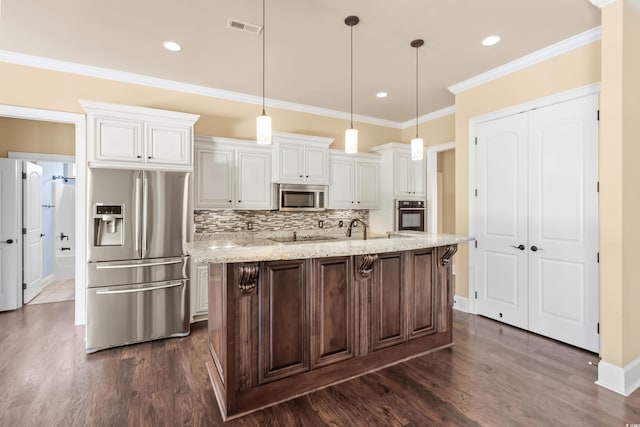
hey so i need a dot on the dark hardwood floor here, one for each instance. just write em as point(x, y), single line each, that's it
point(495, 375)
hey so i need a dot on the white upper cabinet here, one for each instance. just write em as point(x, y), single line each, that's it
point(232, 174)
point(354, 181)
point(136, 137)
point(409, 175)
point(401, 177)
point(300, 159)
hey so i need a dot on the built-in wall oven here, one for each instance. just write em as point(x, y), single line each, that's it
point(411, 215)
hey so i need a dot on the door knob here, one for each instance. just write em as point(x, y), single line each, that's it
point(521, 247)
point(535, 248)
point(9, 241)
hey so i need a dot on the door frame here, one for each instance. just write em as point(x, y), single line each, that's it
point(473, 124)
point(432, 183)
point(79, 121)
point(41, 157)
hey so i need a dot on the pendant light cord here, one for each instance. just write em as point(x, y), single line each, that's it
point(417, 91)
point(351, 76)
point(263, 61)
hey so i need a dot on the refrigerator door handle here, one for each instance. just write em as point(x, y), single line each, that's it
point(107, 266)
point(145, 212)
point(137, 215)
point(130, 291)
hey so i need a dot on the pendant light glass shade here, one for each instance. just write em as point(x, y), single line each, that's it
point(263, 122)
point(263, 126)
point(417, 144)
point(417, 149)
point(351, 141)
point(351, 134)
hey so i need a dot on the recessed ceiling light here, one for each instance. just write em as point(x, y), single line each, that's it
point(172, 46)
point(381, 94)
point(491, 40)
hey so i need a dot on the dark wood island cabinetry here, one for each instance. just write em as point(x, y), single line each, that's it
point(282, 328)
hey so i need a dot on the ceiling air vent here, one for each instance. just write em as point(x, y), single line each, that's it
point(244, 26)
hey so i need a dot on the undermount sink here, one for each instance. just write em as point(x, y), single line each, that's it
point(215, 244)
point(295, 239)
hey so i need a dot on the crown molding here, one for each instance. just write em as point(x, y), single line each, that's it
point(142, 80)
point(430, 116)
point(536, 57)
point(601, 3)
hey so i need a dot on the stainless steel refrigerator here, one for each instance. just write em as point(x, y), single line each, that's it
point(138, 269)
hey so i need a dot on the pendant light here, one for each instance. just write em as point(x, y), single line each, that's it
point(417, 144)
point(351, 134)
point(263, 122)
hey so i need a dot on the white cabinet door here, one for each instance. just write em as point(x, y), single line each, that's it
point(214, 172)
point(291, 163)
point(402, 174)
point(502, 220)
point(342, 187)
point(316, 165)
point(199, 292)
point(368, 188)
point(418, 178)
point(117, 140)
point(253, 185)
point(167, 144)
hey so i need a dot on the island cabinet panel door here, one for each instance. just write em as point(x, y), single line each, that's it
point(284, 320)
point(332, 313)
point(388, 313)
point(421, 293)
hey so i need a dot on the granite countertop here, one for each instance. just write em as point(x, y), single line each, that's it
point(243, 247)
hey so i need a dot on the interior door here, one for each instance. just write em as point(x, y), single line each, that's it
point(32, 233)
point(563, 222)
point(9, 234)
point(502, 220)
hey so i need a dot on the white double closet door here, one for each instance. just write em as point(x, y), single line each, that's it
point(537, 223)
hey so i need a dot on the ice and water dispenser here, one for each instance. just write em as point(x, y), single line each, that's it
point(108, 225)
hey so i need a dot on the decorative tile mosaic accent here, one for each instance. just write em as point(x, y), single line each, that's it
point(225, 221)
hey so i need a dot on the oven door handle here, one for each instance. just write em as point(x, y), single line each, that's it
point(131, 291)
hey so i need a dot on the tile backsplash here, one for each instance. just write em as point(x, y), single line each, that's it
point(225, 221)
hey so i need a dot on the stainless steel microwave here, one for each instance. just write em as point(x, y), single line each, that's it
point(300, 197)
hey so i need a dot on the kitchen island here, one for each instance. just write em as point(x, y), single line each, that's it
point(289, 318)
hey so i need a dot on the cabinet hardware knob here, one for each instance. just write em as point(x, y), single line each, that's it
point(358, 201)
point(352, 201)
point(149, 157)
point(300, 176)
point(139, 156)
point(521, 247)
point(9, 241)
point(239, 201)
point(41, 235)
point(534, 248)
point(229, 201)
point(307, 176)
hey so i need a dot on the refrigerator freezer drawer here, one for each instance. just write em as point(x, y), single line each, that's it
point(137, 271)
point(121, 315)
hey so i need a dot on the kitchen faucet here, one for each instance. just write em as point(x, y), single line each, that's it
point(352, 223)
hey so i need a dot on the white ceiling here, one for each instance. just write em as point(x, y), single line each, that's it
point(307, 43)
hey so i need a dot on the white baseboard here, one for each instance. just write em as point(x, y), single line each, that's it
point(622, 380)
point(461, 303)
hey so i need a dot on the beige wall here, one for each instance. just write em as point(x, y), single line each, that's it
point(434, 132)
point(38, 88)
point(32, 136)
point(573, 69)
point(619, 180)
point(447, 167)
